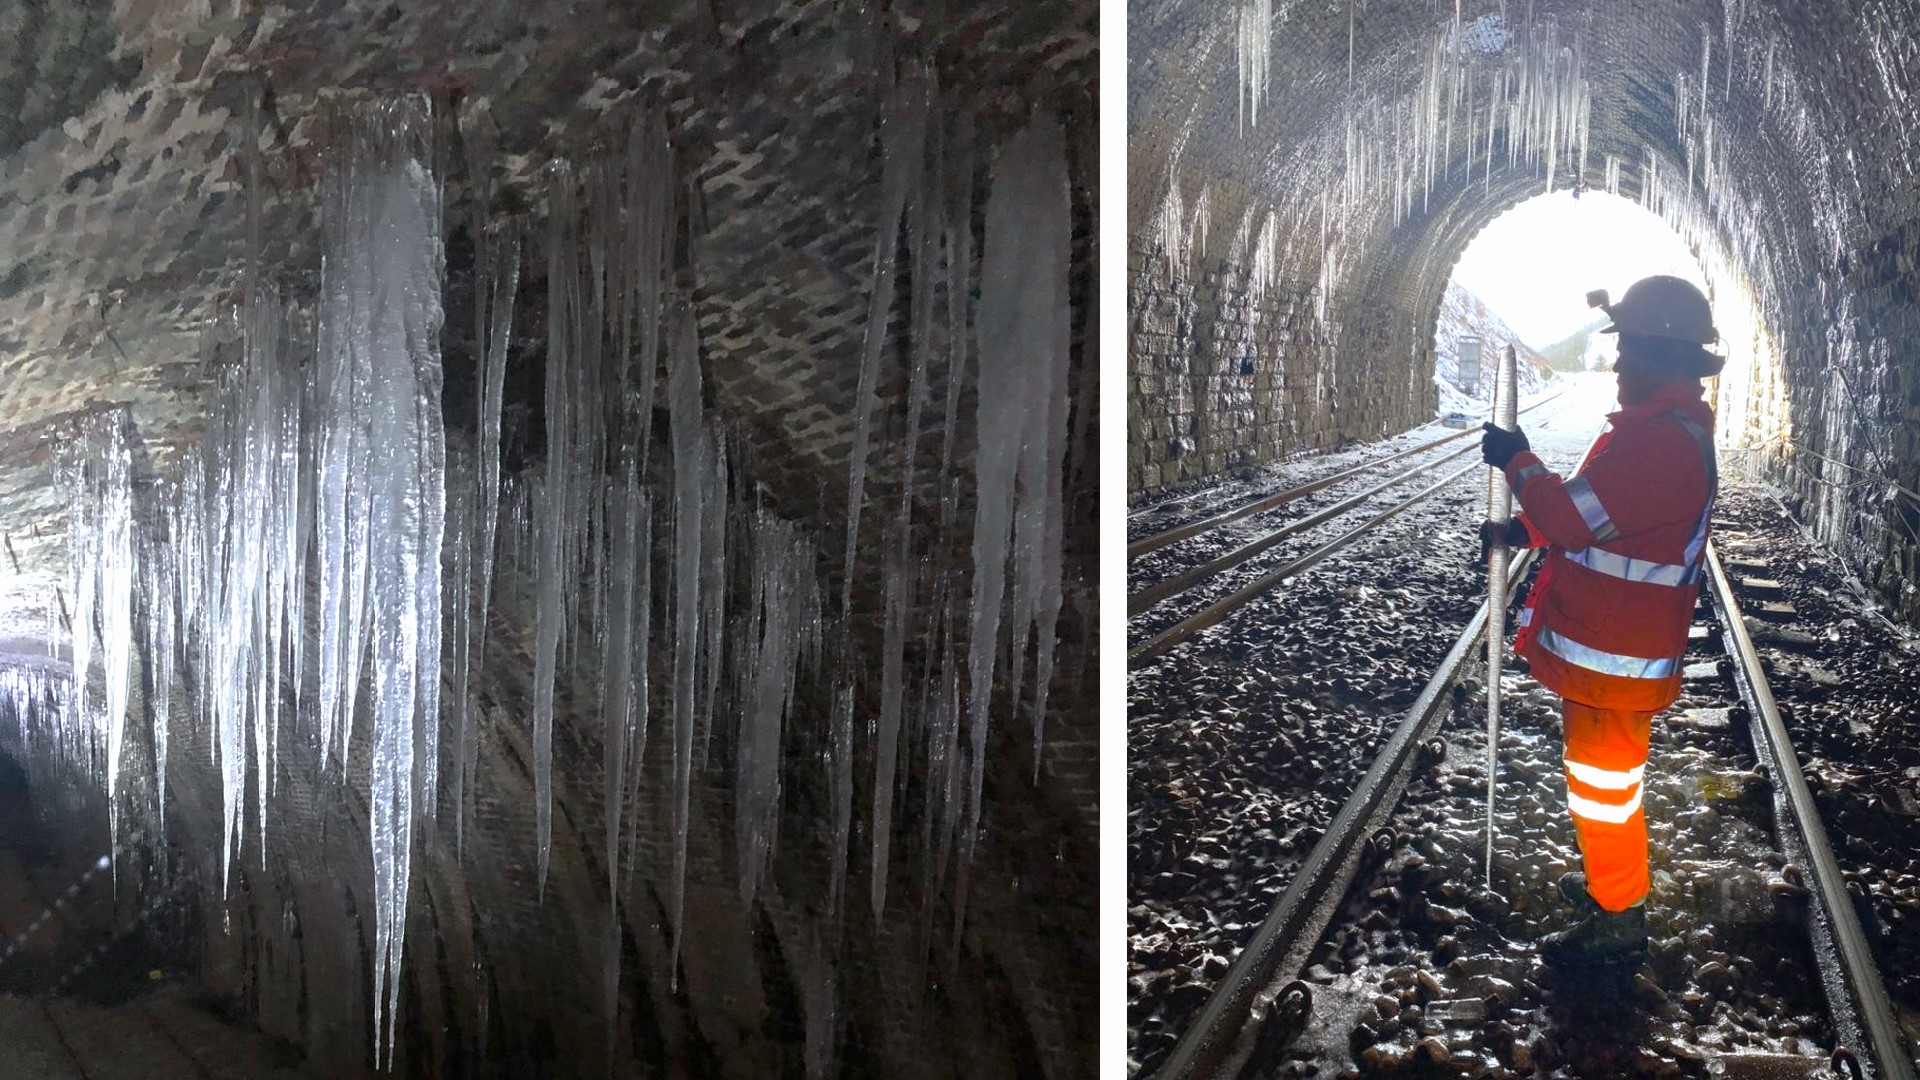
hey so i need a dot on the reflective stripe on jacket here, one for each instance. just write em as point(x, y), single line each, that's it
point(1606, 623)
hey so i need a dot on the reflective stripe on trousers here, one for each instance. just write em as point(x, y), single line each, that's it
point(1605, 757)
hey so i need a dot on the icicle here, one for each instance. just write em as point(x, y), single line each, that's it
point(1706, 67)
point(713, 584)
point(497, 289)
point(83, 568)
point(887, 738)
point(382, 320)
point(630, 525)
point(691, 448)
point(1772, 43)
point(103, 567)
point(462, 491)
point(1255, 26)
point(1349, 47)
point(959, 212)
point(901, 136)
point(253, 600)
point(117, 572)
point(341, 393)
point(555, 547)
point(638, 717)
point(1023, 337)
point(630, 510)
point(160, 635)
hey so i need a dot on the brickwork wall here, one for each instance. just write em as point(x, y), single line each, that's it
point(1223, 379)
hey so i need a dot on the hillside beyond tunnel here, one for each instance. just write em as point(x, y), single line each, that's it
point(1302, 177)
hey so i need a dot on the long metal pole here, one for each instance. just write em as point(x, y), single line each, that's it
point(1500, 512)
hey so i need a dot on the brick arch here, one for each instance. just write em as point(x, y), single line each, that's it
point(1798, 203)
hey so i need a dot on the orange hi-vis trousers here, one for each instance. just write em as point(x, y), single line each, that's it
point(1606, 755)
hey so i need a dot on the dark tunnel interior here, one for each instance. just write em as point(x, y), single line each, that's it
point(536, 539)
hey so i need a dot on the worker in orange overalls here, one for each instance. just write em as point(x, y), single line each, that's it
point(1607, 621)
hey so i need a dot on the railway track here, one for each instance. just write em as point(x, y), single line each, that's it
point(1243, 744)
point(1369, 962)
point(1158, 532)
point(1178, 593)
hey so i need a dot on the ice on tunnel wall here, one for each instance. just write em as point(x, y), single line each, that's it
point(102, 554)
point(311, 589)
point(1488, 95)
point(1023, 366)
point(1252, 45)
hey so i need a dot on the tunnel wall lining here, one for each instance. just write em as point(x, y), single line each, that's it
point(1787, 172)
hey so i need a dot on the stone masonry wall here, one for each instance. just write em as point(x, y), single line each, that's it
point(1222, 378)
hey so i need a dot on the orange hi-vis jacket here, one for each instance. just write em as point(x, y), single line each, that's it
point(1607, 621)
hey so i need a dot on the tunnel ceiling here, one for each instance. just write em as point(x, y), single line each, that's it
point(1336, 155)
point(122, 227)
point(1792, 78)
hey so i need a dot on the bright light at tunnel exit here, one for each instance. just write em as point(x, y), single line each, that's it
point(1534, 264)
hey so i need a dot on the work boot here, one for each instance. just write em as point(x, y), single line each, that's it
point(1573, 886)
point(1601, 937)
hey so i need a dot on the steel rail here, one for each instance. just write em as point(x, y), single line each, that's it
point(1156, 541)
point(1175, 584)
point(1280, 947)
point(1214, 613)
point(1855, 995)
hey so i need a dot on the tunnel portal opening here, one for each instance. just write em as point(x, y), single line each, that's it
point(1521, 282)
point(1287, 264)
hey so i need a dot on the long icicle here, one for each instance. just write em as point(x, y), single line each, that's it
point(555, 550)
point(691, 448)
point(1022, 338)
point(902, 132)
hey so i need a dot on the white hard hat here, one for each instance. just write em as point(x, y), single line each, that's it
point(1662, 307)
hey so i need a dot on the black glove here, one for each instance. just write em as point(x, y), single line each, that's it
point(1498, 446)
point(1513, 533)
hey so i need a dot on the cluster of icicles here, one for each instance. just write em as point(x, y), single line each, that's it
point(322, 568)
point(1487, 92)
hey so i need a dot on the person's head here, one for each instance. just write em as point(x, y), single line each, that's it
point(1665, 325)
point(1646, 363)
